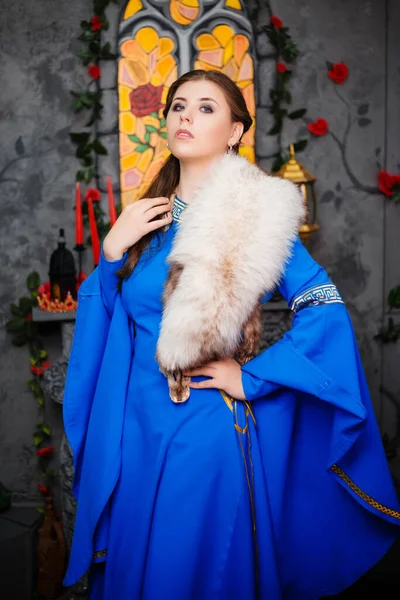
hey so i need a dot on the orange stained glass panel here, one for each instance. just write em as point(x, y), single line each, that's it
point(132, 8)
point(184, 12)
point(227, 51)
point(148, 67)
point(223, 33)
point(233, 4)
point(145, 72)
point(206, 41)
point(240, 47)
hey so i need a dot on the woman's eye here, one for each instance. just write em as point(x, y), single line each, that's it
point(178, 107)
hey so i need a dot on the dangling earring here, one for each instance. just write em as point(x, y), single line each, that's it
point(229, 151)
point(167, 144)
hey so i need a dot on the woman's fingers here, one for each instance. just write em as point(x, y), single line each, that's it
point(201, 371)
point(150, 203)
point(155, 211)
point(152, 225)
point(207, 383)
point(206, 371)
point(133, 224)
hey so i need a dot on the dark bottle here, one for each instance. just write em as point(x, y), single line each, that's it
point(62, 271)
point(51, 554)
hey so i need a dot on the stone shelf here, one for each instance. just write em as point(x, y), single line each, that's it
point(39, 315)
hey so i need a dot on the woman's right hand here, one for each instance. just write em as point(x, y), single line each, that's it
point(134, 222)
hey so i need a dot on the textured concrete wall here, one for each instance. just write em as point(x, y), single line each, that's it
point(38, 68)
point(359, 230)
point(359, 237)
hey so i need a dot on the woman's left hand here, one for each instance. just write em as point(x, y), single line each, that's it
point(226, 375)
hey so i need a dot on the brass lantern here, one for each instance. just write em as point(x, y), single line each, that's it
point(296, 173)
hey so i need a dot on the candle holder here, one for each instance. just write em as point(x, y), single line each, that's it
point(62, 271)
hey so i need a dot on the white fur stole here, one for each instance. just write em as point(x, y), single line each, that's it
point(233, 242)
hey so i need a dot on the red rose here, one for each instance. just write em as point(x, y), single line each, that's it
point(339, 72)
point(28, 317)
point(387, 183)
point(96, 23)
point(40, 370)
point(43, 489)
point(276, 22)
point(92, 194)
point(146, 99)
point(45, 451)
point(94, 71)
point(45, 289)
point(280, 67)
point(319, 127)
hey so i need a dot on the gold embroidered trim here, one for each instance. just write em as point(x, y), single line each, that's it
point(250, 482)
point(227, 399)
point(245, 431)
point(364, 496)
point(239, 429)
point(99, 554)
point(353, 486)
point(229, 402)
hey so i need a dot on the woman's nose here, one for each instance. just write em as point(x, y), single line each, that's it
point(185, 117)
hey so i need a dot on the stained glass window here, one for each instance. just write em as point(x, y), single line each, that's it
point(159, 41)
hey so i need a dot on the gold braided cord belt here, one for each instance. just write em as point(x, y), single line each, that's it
point(230, 402)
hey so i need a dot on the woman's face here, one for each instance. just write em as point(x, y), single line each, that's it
point(200, 108)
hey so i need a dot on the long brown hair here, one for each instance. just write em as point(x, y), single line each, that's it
point(167, 179)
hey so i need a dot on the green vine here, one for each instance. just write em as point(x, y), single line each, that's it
point(145, 144)
point(389, 185)
point(24, 331)
point(280, 95)
point(88, 144)
point(391, 332)
point(88, 147)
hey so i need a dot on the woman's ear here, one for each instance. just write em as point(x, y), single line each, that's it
point(236, 134)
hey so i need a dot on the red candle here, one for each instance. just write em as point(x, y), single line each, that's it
point(94, 233)
point(111, 204)
point(78, 215)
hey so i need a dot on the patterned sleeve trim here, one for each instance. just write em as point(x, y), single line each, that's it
point(326, 293)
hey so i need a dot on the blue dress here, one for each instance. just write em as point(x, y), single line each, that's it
point(180, 515)
point(214, 499)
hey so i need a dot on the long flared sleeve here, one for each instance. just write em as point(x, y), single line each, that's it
point(317, 305)
point(329, 483)
point(109, 280)
point(318, 356)
point(317, 364)
point(93, 410)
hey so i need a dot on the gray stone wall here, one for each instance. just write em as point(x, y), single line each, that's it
point(358, 240)
point(38, 68)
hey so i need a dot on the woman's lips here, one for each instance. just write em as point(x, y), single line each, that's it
point(183, 135)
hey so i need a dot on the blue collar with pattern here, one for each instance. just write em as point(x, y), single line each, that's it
point(178, 208)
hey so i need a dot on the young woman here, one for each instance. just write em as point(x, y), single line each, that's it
point(201, 471)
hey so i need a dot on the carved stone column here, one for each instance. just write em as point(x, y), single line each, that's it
point(53, 387)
